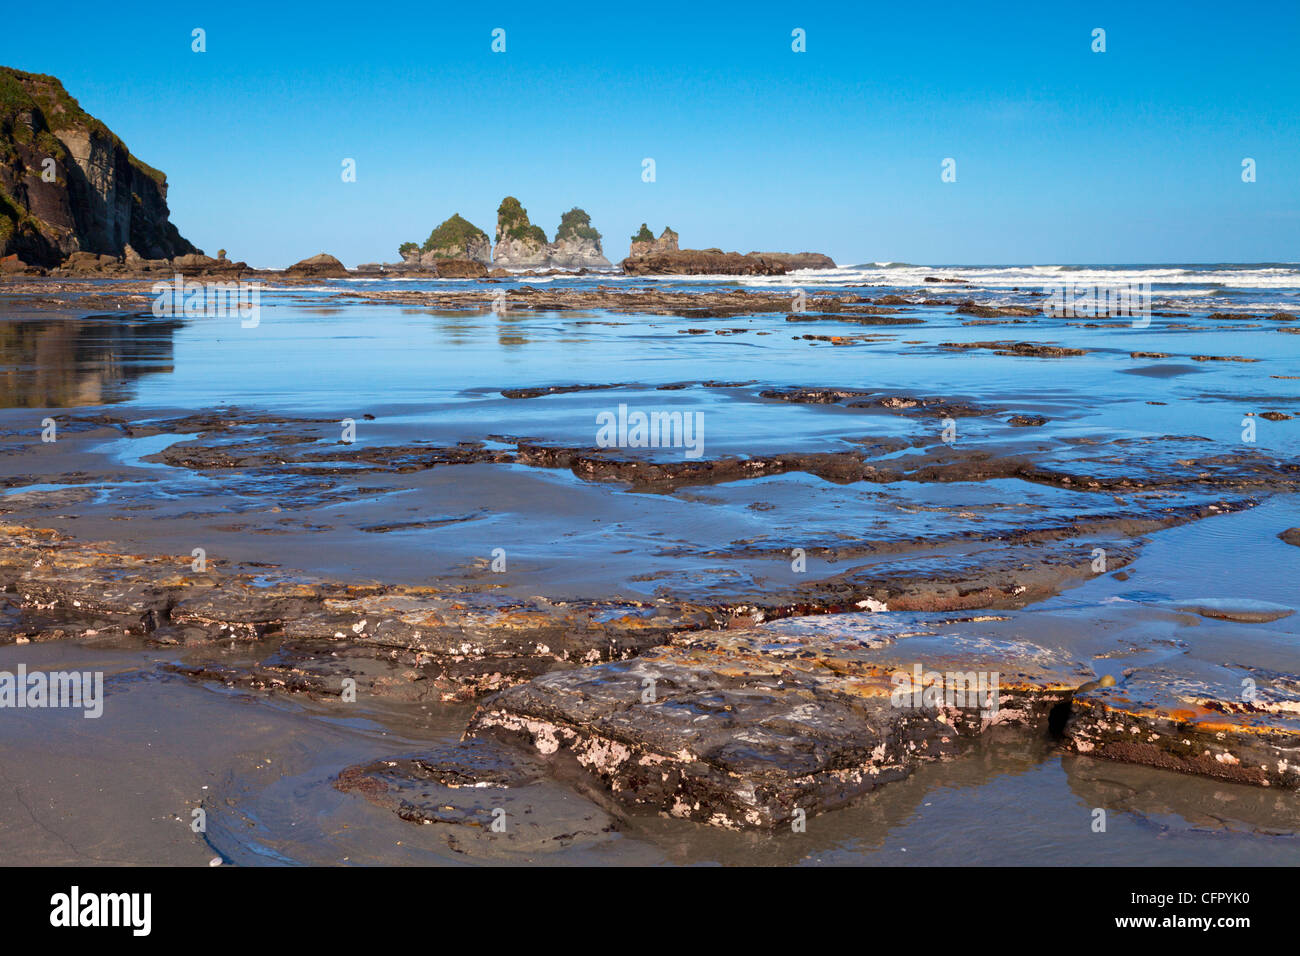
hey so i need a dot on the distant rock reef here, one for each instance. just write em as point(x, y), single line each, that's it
point(651, 256)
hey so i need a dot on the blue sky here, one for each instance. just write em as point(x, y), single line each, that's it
point(1063, 155)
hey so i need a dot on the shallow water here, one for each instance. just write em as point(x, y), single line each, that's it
point(435, 378)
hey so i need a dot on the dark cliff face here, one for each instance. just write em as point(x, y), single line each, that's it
point(95, 197)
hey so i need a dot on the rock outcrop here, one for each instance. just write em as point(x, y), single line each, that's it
point(460, 269)
point(12, 265)
point(651, 256)
point(190, 264)
point(320, 266)
point(644, 242)
point(750, 728)
point(519, 244)
point(577, 243)
point(702, 262)
point(799, 260)
point(457, 238)
point(68, 184)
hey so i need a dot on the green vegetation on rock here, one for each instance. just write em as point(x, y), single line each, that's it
point(126, 198)
point(12, 216)
point(21, 92)
point(407, 248)
point(576, 224)
point(47, 93)
point(8, 217)
point(13, 97)
point(456, 233)
point(644, 234)
point(512, 222)
point(157, 175)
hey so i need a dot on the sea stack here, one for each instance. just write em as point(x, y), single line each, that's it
point(519, 244)
point(644, 242)
point(456, 238)
point(577, 243)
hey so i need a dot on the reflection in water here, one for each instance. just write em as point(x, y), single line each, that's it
point(461, 328)
point(456, 327)
point(64, 362)
point(1196, 803)
point(510, 335)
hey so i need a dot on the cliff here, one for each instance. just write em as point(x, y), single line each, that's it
point(95, 197)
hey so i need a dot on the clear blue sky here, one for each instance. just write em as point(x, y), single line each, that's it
point(1063, 155)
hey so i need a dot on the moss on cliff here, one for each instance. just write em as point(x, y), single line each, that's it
point(103, 212)
point(455, 233)
point(13, 219)
point(21, 91)
point(9, 216)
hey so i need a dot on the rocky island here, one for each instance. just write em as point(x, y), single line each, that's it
point(459, 249)
point(577, 243)
point(519, 243)
point(456, 238)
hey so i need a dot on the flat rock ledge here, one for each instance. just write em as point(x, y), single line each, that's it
point(1228, 722)
point(749, 728)
point(415, 643)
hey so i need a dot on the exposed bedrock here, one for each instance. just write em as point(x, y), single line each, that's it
point(1230, 721)
point(703, 262)
point(845, 307)
point(745, 728)
point(756, 727)
point(456, 643)
point(489, 799)
point(644, 242)
point(799, 260)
